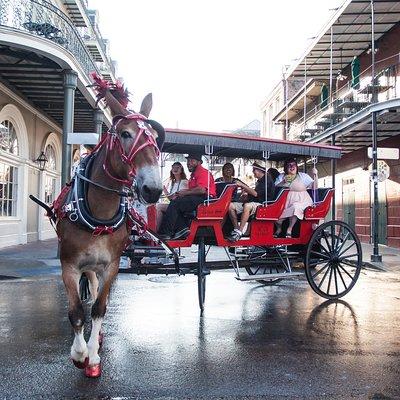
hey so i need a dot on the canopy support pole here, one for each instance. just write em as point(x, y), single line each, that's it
point(330, 68)
point(266, 155)
point(333, 172)
point(209, 150)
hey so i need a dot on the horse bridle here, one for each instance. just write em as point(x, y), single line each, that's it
point(113, 140)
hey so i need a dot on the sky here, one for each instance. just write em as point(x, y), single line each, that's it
point(209, 63)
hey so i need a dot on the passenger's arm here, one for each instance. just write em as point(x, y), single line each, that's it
point(246, 188)
point(195, 191)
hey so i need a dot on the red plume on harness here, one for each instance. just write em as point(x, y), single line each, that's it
point(101, 86)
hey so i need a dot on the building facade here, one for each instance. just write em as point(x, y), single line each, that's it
point(47, 52)
point(349, 94)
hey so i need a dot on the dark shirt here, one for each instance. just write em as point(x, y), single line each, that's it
point(220, 184)
point(260, 189)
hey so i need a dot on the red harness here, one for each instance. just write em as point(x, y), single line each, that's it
point(112, 140)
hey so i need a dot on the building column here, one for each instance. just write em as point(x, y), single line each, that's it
point(98, 122)
point(70, 82)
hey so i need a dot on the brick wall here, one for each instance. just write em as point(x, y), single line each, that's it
point(357, 163)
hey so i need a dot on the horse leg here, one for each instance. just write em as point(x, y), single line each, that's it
point(93, 284)
point(76, 314)
point(94, 289)
point(93, 369)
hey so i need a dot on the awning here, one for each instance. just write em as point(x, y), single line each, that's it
point(231, 145)
point(356, 131)
point(296, 104)
point(351, 28)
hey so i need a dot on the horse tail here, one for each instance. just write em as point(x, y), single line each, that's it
point(84, 287)
point(50, 212)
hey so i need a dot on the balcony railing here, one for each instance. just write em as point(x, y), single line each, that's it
point(347, 100)
point(40, 18)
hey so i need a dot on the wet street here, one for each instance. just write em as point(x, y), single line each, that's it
point(253, 341)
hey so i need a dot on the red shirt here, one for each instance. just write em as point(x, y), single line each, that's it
point(199, 178)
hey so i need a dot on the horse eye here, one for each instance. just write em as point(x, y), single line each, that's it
point(126, 135)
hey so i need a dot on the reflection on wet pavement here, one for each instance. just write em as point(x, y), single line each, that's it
point(253, 340)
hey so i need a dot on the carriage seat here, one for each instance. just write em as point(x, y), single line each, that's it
point(320, 194)
point(323, 199)
point(272, 209)
point(214, 208)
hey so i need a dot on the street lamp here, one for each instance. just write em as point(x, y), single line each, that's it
point(42, 160)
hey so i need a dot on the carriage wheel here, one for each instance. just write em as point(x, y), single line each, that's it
point(201, 275)
point(263, 269)
point(333, 260)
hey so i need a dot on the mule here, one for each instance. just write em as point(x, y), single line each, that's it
point(131, 152)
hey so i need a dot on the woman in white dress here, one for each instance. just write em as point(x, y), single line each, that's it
point(298, 198)
point(177, 181)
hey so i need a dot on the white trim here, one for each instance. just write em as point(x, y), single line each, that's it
point(53, 139)
point(12, 113)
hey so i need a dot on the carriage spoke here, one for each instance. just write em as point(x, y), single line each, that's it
point(321, 270)
point(348, 263)
point(343, 242)
point(341, 277)
point(347, 249)
point(336, 282)
point(323, 278)
point(316, 262)
point(345, 271)
point(324, 256)
point(324, 249)
point(329, 281)
point(327, 241)
point(348, 256)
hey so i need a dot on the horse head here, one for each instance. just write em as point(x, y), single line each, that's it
point(133, 144)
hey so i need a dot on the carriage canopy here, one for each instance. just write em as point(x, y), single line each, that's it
point(244, 146)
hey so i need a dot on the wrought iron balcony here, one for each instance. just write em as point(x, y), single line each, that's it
point(43, 19)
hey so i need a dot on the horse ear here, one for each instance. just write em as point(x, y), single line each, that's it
point(146, 106)
point(114, 105)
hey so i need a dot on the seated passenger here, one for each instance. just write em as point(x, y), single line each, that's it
point(177, 181)
point(255, 197)
point(273, 173)
point(228, 173)
point(298, 199)
point(173, 224)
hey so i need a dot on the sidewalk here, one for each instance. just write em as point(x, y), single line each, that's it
point(31, 259)
point(40, 259)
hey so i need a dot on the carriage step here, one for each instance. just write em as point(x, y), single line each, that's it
point(269, 276)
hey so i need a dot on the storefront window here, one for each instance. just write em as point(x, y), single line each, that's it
point(8, 190)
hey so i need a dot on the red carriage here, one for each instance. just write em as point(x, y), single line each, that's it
point(330, 251)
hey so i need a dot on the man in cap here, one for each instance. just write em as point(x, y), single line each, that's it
point(255, 197)
point(201, 181)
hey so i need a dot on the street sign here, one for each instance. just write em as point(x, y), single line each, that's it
point(385, 153)
point(83, 138)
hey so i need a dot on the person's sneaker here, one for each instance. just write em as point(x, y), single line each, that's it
point(235, 235)
point(182, 233)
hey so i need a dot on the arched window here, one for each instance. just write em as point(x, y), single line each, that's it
point(50, 180)
point(8, 138)
point(51, 157)
point(8, 172)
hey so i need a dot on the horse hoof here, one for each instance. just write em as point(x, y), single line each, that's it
point(93, 371)
point(101, 339)
point(80, 364)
